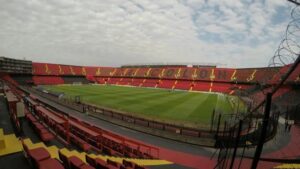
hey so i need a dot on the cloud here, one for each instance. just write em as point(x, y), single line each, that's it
point(114, 32)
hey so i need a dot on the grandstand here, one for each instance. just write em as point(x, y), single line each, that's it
point(46, 116)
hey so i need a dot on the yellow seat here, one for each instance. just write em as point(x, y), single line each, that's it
point(9, 144)
point(2, 140)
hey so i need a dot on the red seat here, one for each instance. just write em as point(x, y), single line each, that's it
point(112, 164)
point(47, 136)
point(90, 160)
point(96, 162)
point(38, 154)
point(38, 125)
point(85, 166)
point(128, 163)
point(42, 130)
point(64, 159)
point(50, 164)
point(47, 80)
point(75, 162)
point(101, 164)
point(139, 167)
point(30, 117)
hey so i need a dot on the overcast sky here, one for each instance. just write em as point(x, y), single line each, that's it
point(235, 33)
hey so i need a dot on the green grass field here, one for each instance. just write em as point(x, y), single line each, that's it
point(179, 107)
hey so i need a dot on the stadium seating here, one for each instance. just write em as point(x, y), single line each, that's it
point(183, 85)
point(96, 162)
point(186, 73)
point(223, 75)
point(40, 158)
point(105, 71)
point(39, 69)
point(85, 136)
point(293, 78)
point(154, 73)
point(130, 72)
point(113, 80)
point(47, 80)
point(75, 79)
point(203, 74)
point(72, 162)
point(264, 75)
point(91, 79)
point(137, 82)
point(101, 80)
point(142, 72)
point(10, 80)
point(22, 79)
point(201, 86)
point(91, 71)
point(52, 69)
point(247, 75)
point(221, 87)
point(65, 70)
point(125, 81)
point(255, 75)
point(167, 84)
point(150, 82)
point(169, 73)
point(281, 91)
point(117, 72)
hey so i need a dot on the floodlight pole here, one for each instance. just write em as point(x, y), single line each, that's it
point(263, 131)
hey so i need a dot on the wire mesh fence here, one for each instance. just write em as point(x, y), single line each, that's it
point(238, 136)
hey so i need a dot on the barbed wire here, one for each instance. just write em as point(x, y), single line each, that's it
point(289, 48)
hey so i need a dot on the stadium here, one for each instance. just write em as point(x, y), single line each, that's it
point(62, 115)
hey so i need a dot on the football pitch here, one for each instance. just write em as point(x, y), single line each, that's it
point(176, 107)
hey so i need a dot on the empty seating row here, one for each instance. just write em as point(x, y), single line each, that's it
point(22, 79)
point(248, 75)
point(113, 80)
point(183, 85)
point(47, 80)
point(72, 162)
point(9, 79)
point(221, 87)
point(42, 131)
point(109, 164)
point(14, 103)
point(173, 84)
point(75, 79)
point(167, 84)
point(150, 82)
point(59, 124)
point(137, 82)
point(86, 136)
point(201, 86)
point(40, 158)
point(125, 81)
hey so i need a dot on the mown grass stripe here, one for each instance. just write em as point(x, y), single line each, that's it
point(162, 104)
